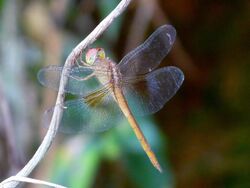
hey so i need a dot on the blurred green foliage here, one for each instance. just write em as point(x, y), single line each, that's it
point(110, 147)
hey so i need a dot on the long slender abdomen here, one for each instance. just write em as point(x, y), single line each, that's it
point(133, 123)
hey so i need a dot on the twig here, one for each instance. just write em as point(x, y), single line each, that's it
point(30, 180)
point(75, 54)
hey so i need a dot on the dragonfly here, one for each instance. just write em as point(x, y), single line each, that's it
point(108, 91)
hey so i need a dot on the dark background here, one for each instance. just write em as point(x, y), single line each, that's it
point(201, 136)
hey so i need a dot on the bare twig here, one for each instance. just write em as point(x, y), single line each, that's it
point(30, 180)
point(75, 54)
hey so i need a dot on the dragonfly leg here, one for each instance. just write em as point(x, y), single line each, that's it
point(85, 64)
point(85, 78)
point(62, 106)
point(81, 64)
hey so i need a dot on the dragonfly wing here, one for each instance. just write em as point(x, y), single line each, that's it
point(148, 55)
point(50, 77)
point(95, 113)
point(149, 94)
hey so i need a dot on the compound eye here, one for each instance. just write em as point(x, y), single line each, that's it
point(100, 53)
point(91, 56)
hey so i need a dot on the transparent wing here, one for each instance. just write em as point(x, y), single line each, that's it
point(50, 77)
point(148, 94)
point(148, 55)
point(95, 113)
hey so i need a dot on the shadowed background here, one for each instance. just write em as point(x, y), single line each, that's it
point(201, 134)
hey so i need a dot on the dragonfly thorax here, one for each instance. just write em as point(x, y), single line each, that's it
point(113, 74)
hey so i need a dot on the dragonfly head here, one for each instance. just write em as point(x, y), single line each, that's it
point(94, 54)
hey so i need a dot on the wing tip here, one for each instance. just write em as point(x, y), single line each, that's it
point(177, 75)
point(171, 32)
